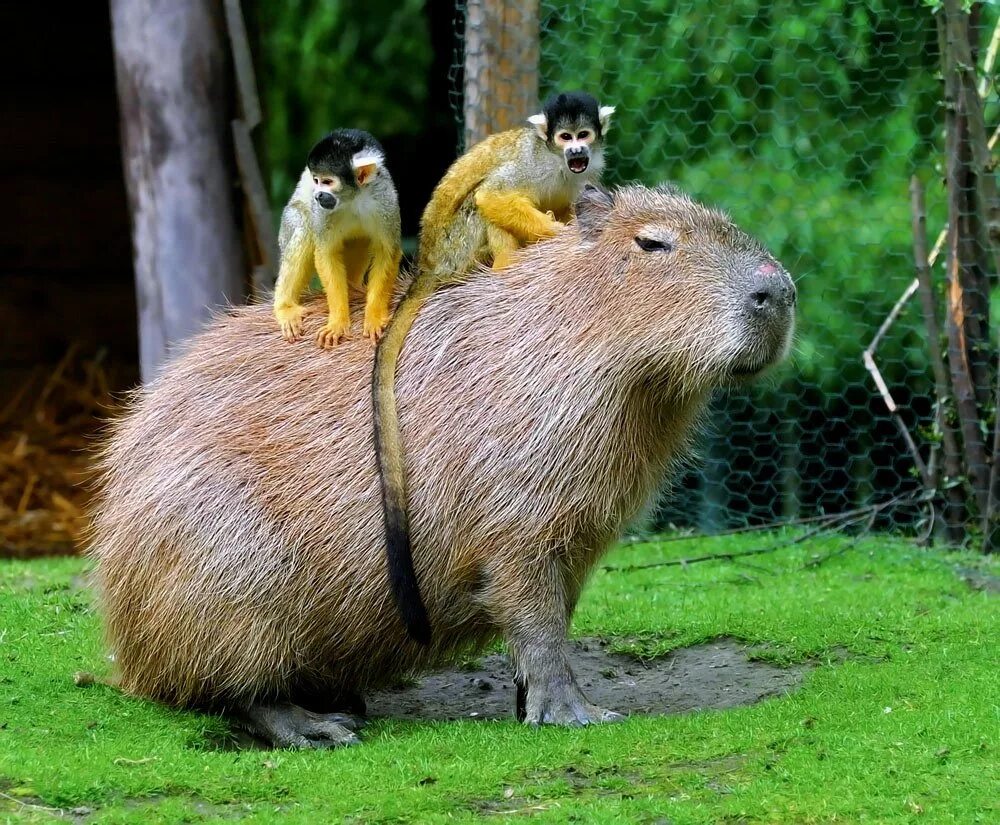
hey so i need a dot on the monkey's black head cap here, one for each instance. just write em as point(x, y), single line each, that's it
point(571, 107)
point(334, 153)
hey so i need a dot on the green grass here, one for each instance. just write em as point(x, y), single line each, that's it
point(898, 721)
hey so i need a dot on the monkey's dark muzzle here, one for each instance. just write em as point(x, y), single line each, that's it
point(326, 200)
point(577, 160)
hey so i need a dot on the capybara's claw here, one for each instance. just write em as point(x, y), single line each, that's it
point(566, 705)
point(289, 726)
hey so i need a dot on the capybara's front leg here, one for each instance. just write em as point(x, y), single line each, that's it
point(533, 607)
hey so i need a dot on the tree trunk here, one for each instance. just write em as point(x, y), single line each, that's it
point(501, 66)
point(954, 511)
point(967, 319)
point(176, 107)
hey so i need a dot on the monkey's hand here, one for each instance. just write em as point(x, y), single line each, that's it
point(375, 323)
point(290, 320)
point(333, 332)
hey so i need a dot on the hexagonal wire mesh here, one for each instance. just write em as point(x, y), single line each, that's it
point(805, 121)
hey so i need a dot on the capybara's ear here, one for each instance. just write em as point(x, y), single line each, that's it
point(592, 209)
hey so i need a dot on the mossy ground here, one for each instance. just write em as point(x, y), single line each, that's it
point(898, 721)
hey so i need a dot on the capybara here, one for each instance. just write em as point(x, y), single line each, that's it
point(238, 532)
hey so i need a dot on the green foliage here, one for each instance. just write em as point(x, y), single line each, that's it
point(804, 120)
point(332, 63)
point(897, 716)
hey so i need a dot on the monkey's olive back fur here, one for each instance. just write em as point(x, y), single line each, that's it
point(239, 535)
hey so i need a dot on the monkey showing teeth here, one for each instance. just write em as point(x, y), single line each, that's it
point(342, 221)
point(512, 189)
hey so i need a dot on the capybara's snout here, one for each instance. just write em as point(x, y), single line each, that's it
point(768, 314)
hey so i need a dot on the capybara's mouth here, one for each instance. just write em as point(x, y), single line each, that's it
point(577, 165)
point(745, 372)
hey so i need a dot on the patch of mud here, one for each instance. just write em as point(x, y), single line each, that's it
point(979, 580)
point(713, 675)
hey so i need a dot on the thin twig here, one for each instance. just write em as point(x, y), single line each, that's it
point(839, 521)
point(868, 357)
point(32, 805)
point(757, 551)
point(753, 528)
point(848, 545)
point(991, 56)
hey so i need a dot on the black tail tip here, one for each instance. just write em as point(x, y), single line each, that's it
point(419, 627)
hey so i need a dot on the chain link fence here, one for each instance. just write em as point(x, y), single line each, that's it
point(806, 122)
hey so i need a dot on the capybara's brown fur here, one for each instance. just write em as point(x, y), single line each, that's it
point(239, 534)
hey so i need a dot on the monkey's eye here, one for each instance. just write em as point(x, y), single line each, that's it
point(652, 244)
point(565, 136)
point(316, 181)
point(583, 135)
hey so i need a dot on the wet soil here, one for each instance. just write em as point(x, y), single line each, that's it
point(713, 675)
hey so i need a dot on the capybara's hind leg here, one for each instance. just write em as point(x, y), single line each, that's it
point(289, 726)
point(530, 602)
point(327, 700)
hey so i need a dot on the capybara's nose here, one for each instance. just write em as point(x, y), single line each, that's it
point(770, 290)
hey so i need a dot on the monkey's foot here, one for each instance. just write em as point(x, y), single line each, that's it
point(332, 333)
point(289, 726)
point(290, 321)
point(565, 704)
point(554, 229)
point(375, 324)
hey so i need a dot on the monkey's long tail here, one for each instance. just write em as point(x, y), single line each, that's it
point(392, 464)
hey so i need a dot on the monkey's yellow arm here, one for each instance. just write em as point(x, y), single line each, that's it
point(381, 281)
point(333, 275)
point(293, 277)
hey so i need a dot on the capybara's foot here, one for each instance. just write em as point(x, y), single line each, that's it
point(332, 333)
point(375, 324)
point(564, 704)
point(290, 320)
point(289, 726)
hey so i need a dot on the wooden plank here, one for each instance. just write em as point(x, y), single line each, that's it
point(265, 270)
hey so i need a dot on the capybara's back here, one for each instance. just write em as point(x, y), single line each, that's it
point(238, 533)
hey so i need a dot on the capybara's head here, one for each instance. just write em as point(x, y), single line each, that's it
point(704, 300)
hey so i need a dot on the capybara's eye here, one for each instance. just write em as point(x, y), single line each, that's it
point(652, 244)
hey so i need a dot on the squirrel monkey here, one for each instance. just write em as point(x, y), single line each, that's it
point(513, 189)
point(342, 220)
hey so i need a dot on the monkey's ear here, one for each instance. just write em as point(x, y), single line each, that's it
point(604, 115)
point(541, 124)
point(365, 167)
point(593, 207)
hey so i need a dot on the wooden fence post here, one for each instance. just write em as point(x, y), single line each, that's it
point(501, 66)
point(175, 104)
